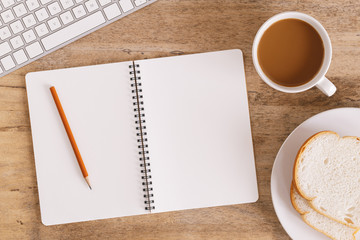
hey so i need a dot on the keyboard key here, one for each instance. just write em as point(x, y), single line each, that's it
point(67, 3)
point(7, 3)
point(73, 30)
point(79, 1)
point(45, 1)
point(29, 20)
point(91, 5)
point(34, 50)
point(7, 16)
point(41, 30)
point(79, 11)
point(4, 48)
point(17, 27)
point(54, 23)
point(20, 57)
point(20, 10)
point(41, 14)
point(29, 36)
point(112, 11)
point(54, 8)
point(4, 33)
point(126, 5)
point(104, 2)
point(16, 42)
point(66, 17)
point(7, 63)
point(32, 4)
point(139, 2)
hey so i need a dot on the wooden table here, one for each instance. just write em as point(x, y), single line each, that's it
point(166, 28)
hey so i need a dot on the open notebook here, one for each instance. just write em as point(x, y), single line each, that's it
point(193, 149)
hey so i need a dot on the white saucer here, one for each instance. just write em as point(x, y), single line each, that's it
point(344, 121)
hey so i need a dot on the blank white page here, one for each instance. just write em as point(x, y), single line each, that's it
point(198, 126)
point(97, 102)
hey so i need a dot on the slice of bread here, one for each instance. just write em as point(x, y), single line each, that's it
point(327, 173)
point(319, 222)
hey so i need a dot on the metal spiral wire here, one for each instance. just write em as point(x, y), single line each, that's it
point(141, 136)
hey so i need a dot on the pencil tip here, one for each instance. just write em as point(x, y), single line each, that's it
point(88, 182)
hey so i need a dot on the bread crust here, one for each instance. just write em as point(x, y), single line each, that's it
point(295, 181)
point(293, 202)
point(304, 213)
point(354, 234)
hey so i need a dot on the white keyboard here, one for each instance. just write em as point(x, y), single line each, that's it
point(31, 29)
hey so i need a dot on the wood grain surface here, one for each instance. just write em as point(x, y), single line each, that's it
point(167, 28)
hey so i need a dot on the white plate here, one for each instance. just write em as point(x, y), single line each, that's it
point(344, 121)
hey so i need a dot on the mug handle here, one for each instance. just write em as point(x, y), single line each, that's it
point(327, 87)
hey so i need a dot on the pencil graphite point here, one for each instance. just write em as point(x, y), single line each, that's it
point(88, 181)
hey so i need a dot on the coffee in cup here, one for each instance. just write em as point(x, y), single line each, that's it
point(292, 53)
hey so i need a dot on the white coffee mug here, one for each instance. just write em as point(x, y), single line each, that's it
point(320, 81)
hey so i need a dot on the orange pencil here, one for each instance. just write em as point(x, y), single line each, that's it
point(70, 135)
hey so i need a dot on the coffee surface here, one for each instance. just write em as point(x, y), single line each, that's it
point(290, 52)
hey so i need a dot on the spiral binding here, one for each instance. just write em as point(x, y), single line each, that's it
point(141, 135)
